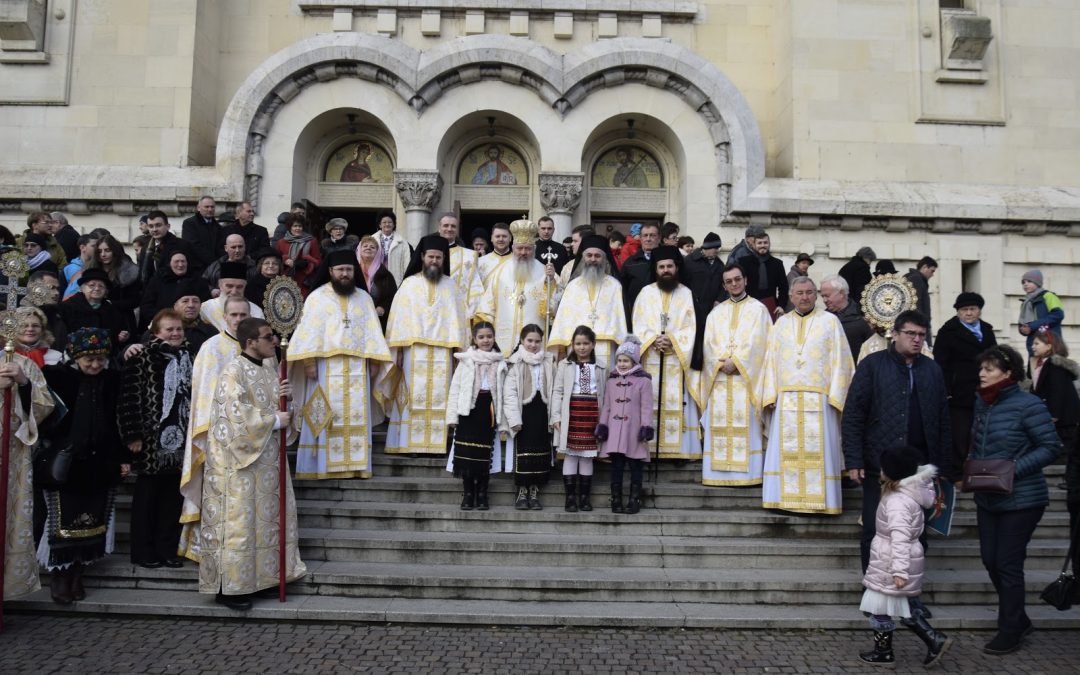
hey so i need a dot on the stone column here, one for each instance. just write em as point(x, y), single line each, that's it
point(560, 195)
point(419, 192)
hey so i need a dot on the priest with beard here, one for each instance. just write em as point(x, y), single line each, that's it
point(426, 325)
point(520, 291)
point(665, 322)
point(337, 346)
point(592, 298)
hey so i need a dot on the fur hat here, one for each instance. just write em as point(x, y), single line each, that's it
point(630, 347)
point(898, 462)
point(969, 299)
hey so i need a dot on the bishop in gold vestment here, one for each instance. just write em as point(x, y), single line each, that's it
point(30, 405)
point(593, 298)
point(335, 343)
point(664, 310)
point(425, 327)
point(735, 336)
point(240, 500)
point(216, 353)
point(808, 369)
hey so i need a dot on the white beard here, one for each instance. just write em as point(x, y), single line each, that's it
point(521, 270)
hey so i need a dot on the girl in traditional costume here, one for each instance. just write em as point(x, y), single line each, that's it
point(576, 398)
point(625, 421)
point(526, 395)
point(79, 525)
point(474, 411)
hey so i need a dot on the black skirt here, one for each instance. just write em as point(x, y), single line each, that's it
point(532, 445)
point(78, 523)
point(474, 439)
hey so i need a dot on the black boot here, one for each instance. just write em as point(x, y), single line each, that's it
point(534, 498)
point(77, 590)
point(570, 483)
point(633, 503)
point(468, 494)
point(522, 501)
point(584, 486)
point(616, 498)
point(60, 586)
point(882, 653)
point(936, 642)
point(481, 492)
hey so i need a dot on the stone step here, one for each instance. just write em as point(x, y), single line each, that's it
point(299, 607)
point(586, 584)
point(554, 520)
point(487, 548)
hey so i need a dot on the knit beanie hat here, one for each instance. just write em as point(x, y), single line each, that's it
point(630, 347)
point(899, 462)
point(1034, 276)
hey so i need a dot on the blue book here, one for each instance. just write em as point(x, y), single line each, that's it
point(940, 516)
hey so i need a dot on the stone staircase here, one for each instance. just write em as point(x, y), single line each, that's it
point(396, 548)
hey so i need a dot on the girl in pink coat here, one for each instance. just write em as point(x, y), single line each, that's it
point(894, 575)
point(625, 425)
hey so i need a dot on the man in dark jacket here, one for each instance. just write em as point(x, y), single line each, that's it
point(856, 273)
point(766, 280)
point(66, 235)
point(256, 237)
point(203, 232)
point(897, 398)
point(919, 276)
point(163, 243)
point(834, 293)
point(959, 342)
point(746, 246)
point(636, 272)
point(703, 274)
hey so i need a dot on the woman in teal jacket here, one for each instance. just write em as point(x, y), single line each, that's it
point(1010, 424)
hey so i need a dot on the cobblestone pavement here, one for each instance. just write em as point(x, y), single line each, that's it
point(66, 644)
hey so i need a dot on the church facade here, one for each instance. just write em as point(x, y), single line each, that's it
point(946, 128)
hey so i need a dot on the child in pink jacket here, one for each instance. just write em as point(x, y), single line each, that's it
point(625, 425)
point(894, 575)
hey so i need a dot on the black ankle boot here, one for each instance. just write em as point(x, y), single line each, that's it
point(616, 498)
point(570, 483)
point(468, 494)
point(584, 486)
point(77, 590)
point(534, 498)
point(481, 492)
point(522, 501)
point(882, 653)
point(633, 503)
point(936, 642)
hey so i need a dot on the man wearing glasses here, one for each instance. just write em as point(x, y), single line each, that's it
point(897, 398)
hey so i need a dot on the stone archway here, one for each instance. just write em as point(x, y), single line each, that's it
point(561, 81)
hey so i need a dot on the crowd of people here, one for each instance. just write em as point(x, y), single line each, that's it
point(533, 358)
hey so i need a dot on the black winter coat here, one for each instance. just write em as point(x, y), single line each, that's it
point(1057, 388)
point(1016, 426)
point(856, 272)
point(876, 412)
point(955, 350)
point(922, 290)
point(77, 313)
point(636, 274)
point(143, 386)
point(99, 452)
point(205, 239)
point(155, 257)
point(776, 287)
point(706, 283)
point(856, 329)
point(256, 237)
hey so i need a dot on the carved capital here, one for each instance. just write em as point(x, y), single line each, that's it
point(419, 190)
point(561, 192)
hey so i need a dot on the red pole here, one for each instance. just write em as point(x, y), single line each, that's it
point(5, 449)
point(283, 468)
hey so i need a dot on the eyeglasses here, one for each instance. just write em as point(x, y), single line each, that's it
point(913, 334)
point(271, 337)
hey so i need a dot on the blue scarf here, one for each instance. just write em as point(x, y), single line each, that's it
point(975, 328)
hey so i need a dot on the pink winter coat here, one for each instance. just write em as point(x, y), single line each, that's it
point(895, 550)
point(628, 406)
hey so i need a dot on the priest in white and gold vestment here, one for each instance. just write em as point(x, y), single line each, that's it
point(808, 369)
point(488, 265)
point(664, 321)
point(426, 325)
point(216, 353)
point(593, 298)
point(240, 500)
point(521, 290)
point(30, 404)
point(735, 336)
point(463, 265)
point(335, 344)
